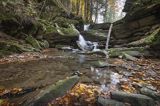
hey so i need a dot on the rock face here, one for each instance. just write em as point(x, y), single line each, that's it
point(139, 25)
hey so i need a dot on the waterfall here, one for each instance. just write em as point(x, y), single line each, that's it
point(86, 45)
point(86, 27)
point(82, 42)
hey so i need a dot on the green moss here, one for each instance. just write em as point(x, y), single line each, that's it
point(154, 37)
point(95, 32)
point(33, 42)
point(69, 31)
point(44, 44)
point(9, 47)
point(47, 26)
point(63, 22)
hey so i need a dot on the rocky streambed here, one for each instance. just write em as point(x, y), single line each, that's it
point(121, 81)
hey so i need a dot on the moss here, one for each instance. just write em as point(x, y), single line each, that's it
point(47, 26)
point(113, 52)
point(9, 47)
point(95, 32)
point(63, 22)
point(32, 41)
point(69, 31)
point(154, 37)
point(44, 44)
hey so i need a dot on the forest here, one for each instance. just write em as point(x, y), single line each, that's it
point(79, 52)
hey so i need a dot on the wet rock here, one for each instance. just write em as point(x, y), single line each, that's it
point(133, 51)
point(150, 93)
point(133, 99)
point(99, 64)
point(54, 91)
point(98, 52)
point(109, 102)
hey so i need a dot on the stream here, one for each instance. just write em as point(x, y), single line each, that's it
point(37, 69)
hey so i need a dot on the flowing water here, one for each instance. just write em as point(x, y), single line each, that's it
point(86, 27)
point(86, 45)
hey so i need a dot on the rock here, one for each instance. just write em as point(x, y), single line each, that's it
point(137, 25)
point(129, 57)
point(133, 99)
point(150, 93)
point(98, 52)
point(70, 31)
point(31, 40)
point(54, 91)
point(44, 44)
point(95, 35)
point(7, 47)
point(109, 102)
point(56, 38)
point(132, 51)
point(104, 26)
point(98, 64)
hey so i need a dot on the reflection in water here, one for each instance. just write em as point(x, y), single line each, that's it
point(81, 59)
point(107, 79)
point(115, 78)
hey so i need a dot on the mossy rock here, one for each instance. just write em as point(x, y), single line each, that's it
point(63, 22)
point(44, 44)
point(53, 91)
point(155, 37)
point(135, 51)
point(32, 41)
point(9, 47)
point(69, 31)
point(95, 32)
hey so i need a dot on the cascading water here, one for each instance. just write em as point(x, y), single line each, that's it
point(86, 45)
point(81, 42)
point(86, 27)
